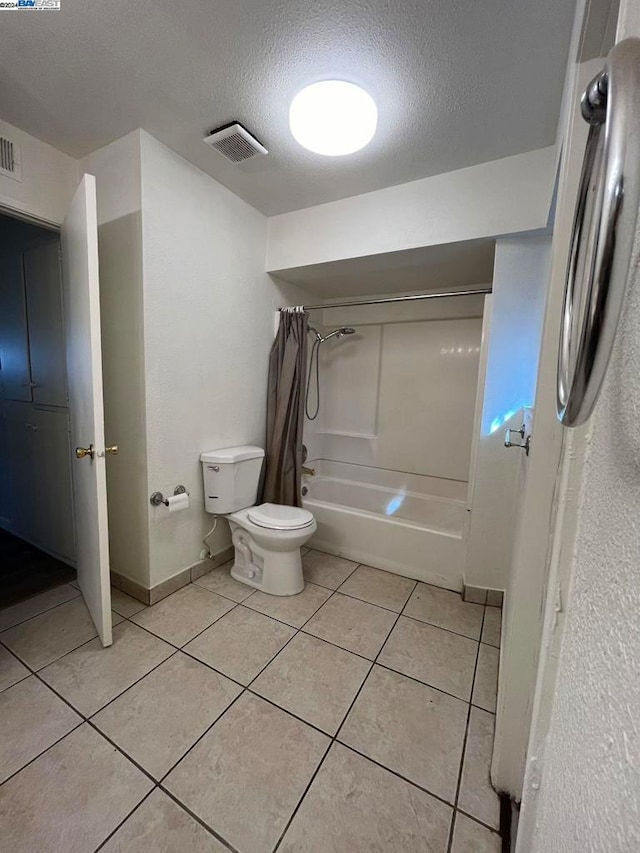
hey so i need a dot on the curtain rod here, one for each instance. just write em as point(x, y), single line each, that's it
point(387, 300)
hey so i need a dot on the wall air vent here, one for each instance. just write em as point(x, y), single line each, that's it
point(235, 142)
point(10, 161)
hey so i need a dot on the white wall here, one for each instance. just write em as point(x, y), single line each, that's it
point(585, 741)
point(49, 178)
point(517, 312)
point(527, 582)
point(400, 394)
point(117, 171)
point(591, 769)
point(208, 328)
point(502, 197)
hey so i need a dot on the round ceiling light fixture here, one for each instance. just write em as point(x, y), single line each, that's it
point(333, 118)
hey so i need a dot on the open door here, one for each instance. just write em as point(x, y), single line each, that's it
point(517, 680)
point(84, 369)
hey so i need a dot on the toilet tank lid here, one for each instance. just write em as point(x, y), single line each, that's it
point(232, 454)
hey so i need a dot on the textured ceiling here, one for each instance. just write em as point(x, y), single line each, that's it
point(457, 82)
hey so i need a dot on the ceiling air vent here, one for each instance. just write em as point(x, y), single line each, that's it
point(235, 142)
point(10, 164)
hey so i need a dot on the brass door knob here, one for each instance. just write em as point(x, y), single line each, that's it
point(113, 450)
point(82, 452)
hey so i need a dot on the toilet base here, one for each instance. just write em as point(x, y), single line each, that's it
point(279, 574)
point(274, 572)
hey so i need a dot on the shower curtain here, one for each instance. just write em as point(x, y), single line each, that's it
point(285, 410)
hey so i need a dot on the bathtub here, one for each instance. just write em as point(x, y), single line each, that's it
point(389, 520)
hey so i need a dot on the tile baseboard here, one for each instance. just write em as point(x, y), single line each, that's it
point(203, 566)
point(172, 584)
point(130, 587)
point(481, 595)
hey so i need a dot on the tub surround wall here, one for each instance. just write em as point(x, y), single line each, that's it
point(399, 395)
point(395, 426)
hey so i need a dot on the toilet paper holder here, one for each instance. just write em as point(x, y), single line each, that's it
point(158, 498)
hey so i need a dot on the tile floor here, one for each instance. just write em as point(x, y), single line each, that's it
point(356, 716)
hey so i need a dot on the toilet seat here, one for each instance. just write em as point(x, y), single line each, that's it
point(279, 517)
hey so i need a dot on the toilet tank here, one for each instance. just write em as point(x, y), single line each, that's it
point(231, 478)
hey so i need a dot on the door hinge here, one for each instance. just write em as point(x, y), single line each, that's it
point(558, 606)
point(60, 253)
point(535, 774)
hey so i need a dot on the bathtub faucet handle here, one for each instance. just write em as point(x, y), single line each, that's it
point(310, 472)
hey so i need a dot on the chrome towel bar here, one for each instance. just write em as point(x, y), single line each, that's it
point(603, 232)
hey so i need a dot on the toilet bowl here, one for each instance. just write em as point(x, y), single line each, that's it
point(267, 541)
point(267, 538)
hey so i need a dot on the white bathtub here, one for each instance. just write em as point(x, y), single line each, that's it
point(390, 521)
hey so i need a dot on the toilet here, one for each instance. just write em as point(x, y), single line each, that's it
point(267, 538)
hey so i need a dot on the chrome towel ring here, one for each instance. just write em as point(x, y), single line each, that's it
point(603, 232)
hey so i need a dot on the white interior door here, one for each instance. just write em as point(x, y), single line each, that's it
point(517, 682)
point(84, 375)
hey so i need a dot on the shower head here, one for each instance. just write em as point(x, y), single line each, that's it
point(337, 333)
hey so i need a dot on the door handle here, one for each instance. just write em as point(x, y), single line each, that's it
point(113, 450)
point(82, 452)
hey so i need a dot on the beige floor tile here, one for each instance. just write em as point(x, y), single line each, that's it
point(485, 688)
point(246, 775)
point(71, 797)
point(159, 825)
point(292, 609)
point(219, 580)
point(472, 837)
point(50, 635)
point(410, 728)
point(159, 718)
point(445, 609)
point(125, 604)
point(477, 797)
point(354, 805)
point(355, 625)
point(437, 657)
point(17, 613)
point(91, 676)
point(182, 615)
point(492, 628)
point(326, 569)
point(33, 718)
point(11, 670)
point(378, 587)
point(241, 643)
point(314, 680)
